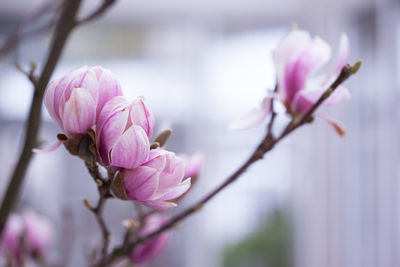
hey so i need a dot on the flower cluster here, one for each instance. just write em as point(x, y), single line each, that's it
point(90, 99)
point(88, 102)
point(26, 236)
point(297, 58)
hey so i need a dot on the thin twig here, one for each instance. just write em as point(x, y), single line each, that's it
point(104, 188)
point(93, 169)
point(98, 211)
point(98, 12)
point(266, 145)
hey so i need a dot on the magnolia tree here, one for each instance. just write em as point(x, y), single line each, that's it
point(106, 130)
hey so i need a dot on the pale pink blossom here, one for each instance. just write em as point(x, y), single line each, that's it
point(26, 235)
point(123, 129)
point(75, 100)
point(98, 85)
point(39, 232)
point(158, 181)
point(254, 116)
point(155, 246)
point(297, 59)
point(10, 246)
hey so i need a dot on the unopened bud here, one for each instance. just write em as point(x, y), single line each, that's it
point(356, 67)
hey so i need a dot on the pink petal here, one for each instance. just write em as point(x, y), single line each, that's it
point(157, 163)
point(109, 87)
point(344, 49)
point(10, 239)
point(79, 112)
point(141, 183)
point(60, 88)
point(72, 80)
point(50, 104)
point(306, 98)
point(159, 204)
point(142, 116)
point(161, 159)
point(131, 149)
point(152, 248)
point(39, 231)
point(299, 68)
point(172, 179)
point(254, 117)
point(47, 149)
point(112, 129)
point(176, 191)
point(113, 105)
point(290, 46)
point(194, 164)
point(90, 83)
point(168, 156)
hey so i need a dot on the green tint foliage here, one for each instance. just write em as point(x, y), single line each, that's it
point(270, 245)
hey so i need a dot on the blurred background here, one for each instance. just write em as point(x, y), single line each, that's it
point(316, 200)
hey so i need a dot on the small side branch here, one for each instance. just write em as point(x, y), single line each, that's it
point(104, 188)
point(98, 12)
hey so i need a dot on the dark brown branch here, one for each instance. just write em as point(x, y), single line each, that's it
point(63, 29)
point(98, 211)
point(98, 12)
point(267, 144)
point(66, 22)
point(273, 115)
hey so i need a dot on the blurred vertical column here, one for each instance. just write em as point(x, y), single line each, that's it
point(387, 132)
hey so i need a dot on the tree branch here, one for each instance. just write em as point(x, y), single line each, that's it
point(267, 144)
point(65, 25)
point(63, 29)
point(98, 12)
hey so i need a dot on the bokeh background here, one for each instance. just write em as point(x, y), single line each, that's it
point(316, 200)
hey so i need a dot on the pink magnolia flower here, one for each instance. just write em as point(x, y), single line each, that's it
point(39, 232)
point(155, 246)
point(26, 235)
point(75, 100)
point(10, 241)
point(123, 130)
point(297, 59)
point(157, 181)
